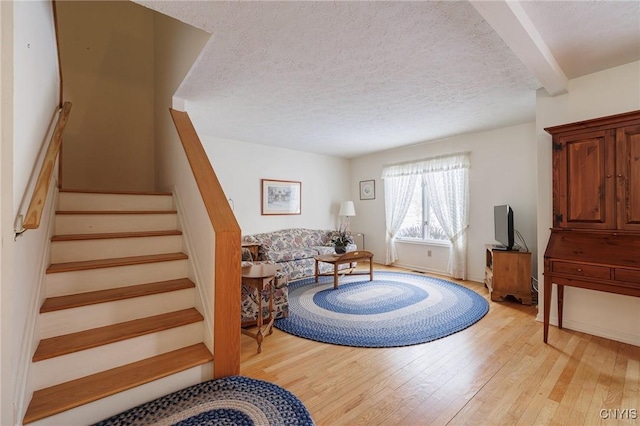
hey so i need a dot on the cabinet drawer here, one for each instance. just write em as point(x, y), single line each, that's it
point(582, 270)
point(627, 275)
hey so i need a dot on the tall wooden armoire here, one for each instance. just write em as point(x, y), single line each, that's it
point(595, 239)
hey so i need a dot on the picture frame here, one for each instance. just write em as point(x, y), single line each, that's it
point(368, 189)
point(281, 197)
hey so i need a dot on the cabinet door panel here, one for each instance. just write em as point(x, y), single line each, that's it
point(628, 152)
point(585, 165)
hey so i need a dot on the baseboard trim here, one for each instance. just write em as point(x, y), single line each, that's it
point(592, 329)
point(421, 269)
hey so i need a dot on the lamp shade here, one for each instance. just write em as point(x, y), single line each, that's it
point(347, 209)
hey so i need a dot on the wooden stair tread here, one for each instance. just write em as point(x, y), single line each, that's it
point(91, 191)
point(74, 342)
point(110, 235)
point(65, 396)
point(96, 212)
point(121, 293)
point(109, 263)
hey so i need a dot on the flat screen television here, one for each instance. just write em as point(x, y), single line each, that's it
point(503, 227)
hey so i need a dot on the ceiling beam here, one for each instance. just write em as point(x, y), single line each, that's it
point(513, 25)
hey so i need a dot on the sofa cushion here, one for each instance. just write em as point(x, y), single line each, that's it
point(287, 255)
point(325, 249)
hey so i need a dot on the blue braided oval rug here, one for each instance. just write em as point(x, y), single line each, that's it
point(395, 309)
point(233, 400)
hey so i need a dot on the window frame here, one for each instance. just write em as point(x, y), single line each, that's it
point(426, 206)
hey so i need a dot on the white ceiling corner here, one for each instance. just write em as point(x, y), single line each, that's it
point(350, 78)
point(513, 25)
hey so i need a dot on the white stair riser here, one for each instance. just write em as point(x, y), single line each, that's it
point(64, 283)
point(103, 223)
point(68, 321)
point(53, 371)
point(72, 251)
point(84, 201)
point(112, 405)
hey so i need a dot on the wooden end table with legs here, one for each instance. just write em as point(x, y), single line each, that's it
point(261, 277)
point(340, 259)
point(254, 249)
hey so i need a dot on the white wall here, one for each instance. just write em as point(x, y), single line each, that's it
point(36, 87)
point(604, 93)
point(503, 170)
point(6, 214)
point(176, 47)
point(36, 92)
point(240, 167)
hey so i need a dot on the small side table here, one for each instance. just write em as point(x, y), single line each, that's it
point(254, 249)
point(261, 277)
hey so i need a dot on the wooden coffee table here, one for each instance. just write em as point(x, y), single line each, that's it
point(340, 259)
point(261, 277)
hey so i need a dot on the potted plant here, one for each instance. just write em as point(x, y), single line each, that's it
point(341, 239)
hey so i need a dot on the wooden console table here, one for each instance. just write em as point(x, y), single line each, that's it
point(593, 260)
point(261, 276)
point(340, 259)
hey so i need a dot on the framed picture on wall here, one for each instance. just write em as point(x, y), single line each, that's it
point(281, 197)
point(367, 189)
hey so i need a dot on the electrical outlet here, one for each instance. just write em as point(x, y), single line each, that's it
point(428, 253)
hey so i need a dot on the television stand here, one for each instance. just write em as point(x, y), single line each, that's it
point(505, 248)
point(508, 273)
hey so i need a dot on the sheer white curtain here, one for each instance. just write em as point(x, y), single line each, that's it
point(397, 198)
point(447, 181)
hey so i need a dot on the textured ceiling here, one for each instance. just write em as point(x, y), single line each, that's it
point(349, 78)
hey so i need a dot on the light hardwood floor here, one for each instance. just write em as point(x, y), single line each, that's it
point(497, 372)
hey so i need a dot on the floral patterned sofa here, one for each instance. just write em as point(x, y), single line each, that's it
point(294, 251)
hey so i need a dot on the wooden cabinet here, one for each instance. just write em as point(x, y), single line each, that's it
point(595, 239)
point(508, 273)
point(584, 165)
point(596, 176)
point(628, 169)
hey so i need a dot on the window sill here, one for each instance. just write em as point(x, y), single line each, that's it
point(432, 243)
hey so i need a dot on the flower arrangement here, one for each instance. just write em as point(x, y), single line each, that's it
point(341, 237)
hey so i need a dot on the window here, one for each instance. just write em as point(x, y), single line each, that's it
point(446, 185)
point(421, 223)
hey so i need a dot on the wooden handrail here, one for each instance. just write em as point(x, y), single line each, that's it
point(39, 197)
point(226, 316)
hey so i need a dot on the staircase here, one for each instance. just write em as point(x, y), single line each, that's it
point(119, 312)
